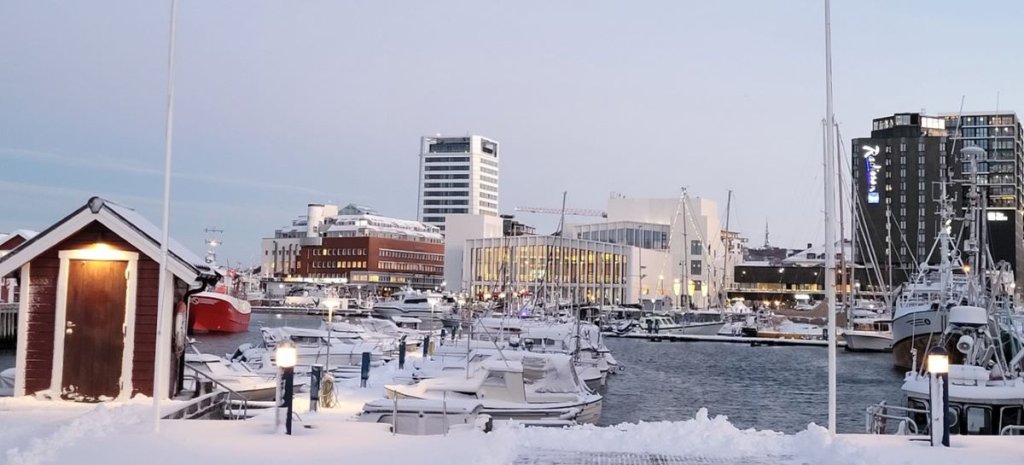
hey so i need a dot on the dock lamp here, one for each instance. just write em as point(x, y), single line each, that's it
point(286, 357)
point(938, 388)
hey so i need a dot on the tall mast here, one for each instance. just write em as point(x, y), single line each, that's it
point(728, 248)
point(830, 245)
point(686, 256)
point(844, 280)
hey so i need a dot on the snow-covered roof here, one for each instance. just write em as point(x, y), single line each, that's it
point(123, 221)
point(25, 234)
point(815, 255)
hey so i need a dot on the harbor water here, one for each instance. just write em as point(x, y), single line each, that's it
point(768, 387)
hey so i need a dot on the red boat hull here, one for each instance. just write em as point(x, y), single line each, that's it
point(211, 312)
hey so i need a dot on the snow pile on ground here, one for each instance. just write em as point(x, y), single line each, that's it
point(702, 436)
point(100, 421)
point(36, 432)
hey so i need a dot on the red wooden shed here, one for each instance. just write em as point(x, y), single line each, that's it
point(87, 317)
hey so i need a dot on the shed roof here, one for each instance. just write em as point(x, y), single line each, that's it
point(123, 221)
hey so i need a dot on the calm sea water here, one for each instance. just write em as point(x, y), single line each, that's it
point(778, 388)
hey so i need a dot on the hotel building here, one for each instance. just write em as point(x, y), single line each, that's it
point(457, 175)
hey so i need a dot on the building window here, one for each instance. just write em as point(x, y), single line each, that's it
point(696, 267)
point(696, 248)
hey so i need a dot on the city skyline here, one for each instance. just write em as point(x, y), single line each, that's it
point(283, 105)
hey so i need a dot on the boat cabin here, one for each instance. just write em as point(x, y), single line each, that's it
point(87, 319)
point(979, 403)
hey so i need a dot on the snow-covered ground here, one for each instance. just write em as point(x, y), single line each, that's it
point(38, 432)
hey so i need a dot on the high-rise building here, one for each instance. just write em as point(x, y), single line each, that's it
point(897, 176)
point(1002, 176)
point(458, 175)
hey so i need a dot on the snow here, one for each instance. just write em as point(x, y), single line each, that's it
point(43, 432)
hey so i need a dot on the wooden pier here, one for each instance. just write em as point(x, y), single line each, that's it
point(753, 341)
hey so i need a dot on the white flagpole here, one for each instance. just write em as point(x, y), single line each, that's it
point(162, 351)
point(830, 245)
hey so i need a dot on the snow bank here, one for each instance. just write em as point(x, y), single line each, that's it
point(120, 433)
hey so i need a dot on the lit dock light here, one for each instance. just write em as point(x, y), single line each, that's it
point(286, 355)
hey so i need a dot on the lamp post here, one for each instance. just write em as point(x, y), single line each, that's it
point(330, 332)
point(938, 388)
point(286, 356)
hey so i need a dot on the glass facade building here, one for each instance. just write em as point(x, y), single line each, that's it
point(644, 235)
point(571, 269)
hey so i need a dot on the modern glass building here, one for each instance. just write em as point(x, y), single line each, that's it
point(570, 269)
point(643, 235)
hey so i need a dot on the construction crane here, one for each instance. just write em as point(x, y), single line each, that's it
point(559, 211)
point(562, 211)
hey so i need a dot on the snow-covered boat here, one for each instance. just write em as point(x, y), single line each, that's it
point(313, 347)
point(236, 376)
point(429, 307)
point(986, 388)
point(7, 382)
point(529, 387)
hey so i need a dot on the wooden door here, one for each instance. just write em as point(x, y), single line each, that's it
point(93, 334)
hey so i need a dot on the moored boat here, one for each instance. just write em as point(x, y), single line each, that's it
point(217, 312)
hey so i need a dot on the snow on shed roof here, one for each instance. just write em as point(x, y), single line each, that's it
point(122, 221)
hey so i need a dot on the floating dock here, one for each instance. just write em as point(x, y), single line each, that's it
point(754, 341)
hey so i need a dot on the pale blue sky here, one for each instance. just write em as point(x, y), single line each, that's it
point(284, 103)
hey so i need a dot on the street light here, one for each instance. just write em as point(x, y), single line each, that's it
point(286, 357)
point(938, 388)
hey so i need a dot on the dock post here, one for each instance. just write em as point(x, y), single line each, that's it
point(364, 371)
point(443, 334)
point(315, 376)
point(401, 353)
point(426, 346)
point(289, 395)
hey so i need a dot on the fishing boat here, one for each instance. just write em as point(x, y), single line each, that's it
point(986, 387)
point(225, 308)
point(217, 312)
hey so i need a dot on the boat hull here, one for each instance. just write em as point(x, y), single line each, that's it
point(703, 329)
point(218, 313)
point(862, 341)
point(915, 330)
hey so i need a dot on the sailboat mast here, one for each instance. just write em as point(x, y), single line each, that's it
point(686, 257)
point(728, 248)
point(830, 254)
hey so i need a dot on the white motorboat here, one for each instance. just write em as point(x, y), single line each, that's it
point(429, 307)
point(702, 322)
point(869, 334)
point(531, 387)
point(236, 376)
point(312, 349)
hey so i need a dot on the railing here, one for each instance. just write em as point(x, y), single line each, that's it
point(8, 322)
point(1011, 429)
point(233, 398)
point(875, 418)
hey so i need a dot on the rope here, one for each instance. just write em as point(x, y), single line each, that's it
point(328, 397)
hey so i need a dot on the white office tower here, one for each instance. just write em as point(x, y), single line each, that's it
point(458, 175)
